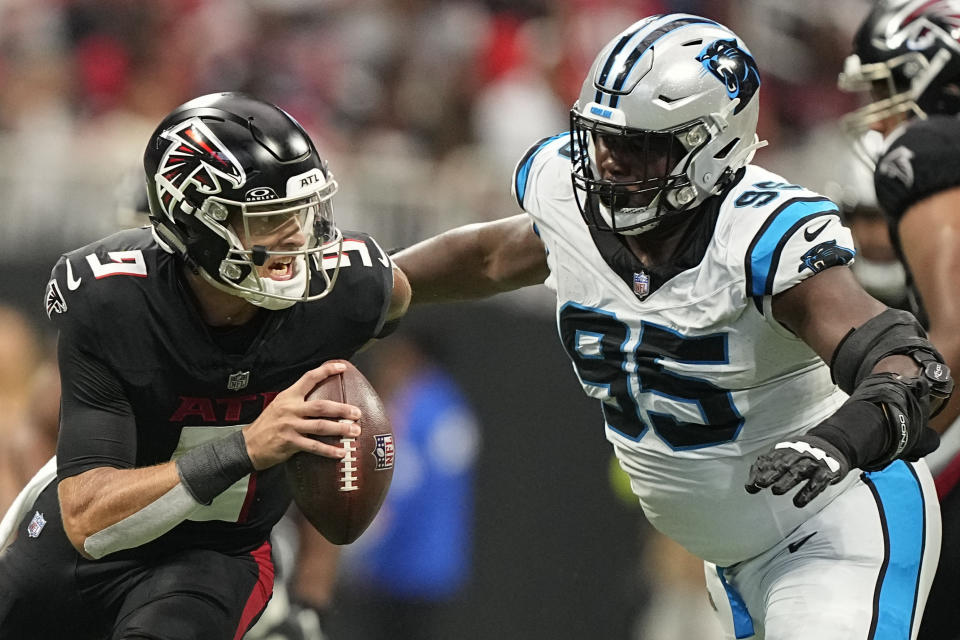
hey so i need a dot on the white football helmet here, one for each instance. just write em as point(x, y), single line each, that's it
point(676, 93)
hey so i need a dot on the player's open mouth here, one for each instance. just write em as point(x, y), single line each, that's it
point(281, 268)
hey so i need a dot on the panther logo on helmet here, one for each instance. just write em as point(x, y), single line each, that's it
point(734, 67)
point(195, 158)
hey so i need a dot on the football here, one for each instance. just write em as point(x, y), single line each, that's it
point(341, 497)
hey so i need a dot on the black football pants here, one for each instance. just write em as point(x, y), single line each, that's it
point(48, 590)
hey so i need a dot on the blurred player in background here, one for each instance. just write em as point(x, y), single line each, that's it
point(706, 302)
point(906, 62)
point(185, 351)
point(403, 577)
point(877, 267)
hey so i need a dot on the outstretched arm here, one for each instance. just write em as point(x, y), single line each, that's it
point(475, 261)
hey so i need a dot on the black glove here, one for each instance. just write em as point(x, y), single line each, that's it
point(807, 457)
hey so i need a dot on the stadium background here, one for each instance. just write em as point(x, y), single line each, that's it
point(422, 108)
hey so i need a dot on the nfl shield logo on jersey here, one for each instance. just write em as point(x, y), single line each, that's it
point(384, 451)
point(36, 525)
point(641, 284)
point(238, 380)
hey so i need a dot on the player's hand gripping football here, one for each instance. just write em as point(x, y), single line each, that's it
point(284, 426)
point(806, 458)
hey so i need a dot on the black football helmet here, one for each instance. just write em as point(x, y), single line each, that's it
point(906, 57)
point(226, 170)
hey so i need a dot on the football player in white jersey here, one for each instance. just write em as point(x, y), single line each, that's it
point(708, 305)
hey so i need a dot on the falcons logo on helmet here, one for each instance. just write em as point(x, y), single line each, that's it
point(918, 23)
point(197, 159)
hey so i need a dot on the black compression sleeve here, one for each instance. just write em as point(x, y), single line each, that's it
point(885, 418)
point(858, 429)
point(97, 426)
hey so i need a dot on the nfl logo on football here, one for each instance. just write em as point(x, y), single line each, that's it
point(238, 380)
point(384, 451)
point(641, 284)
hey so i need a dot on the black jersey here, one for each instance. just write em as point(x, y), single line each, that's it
point(144, 379)
point(920, 161)
point(924, 159)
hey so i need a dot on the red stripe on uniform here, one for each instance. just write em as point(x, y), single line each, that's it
point(248, 500)
point(262, 591)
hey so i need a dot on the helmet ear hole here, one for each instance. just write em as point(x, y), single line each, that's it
point(725, 151)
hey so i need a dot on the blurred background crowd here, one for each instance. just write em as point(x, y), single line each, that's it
point(422, 108)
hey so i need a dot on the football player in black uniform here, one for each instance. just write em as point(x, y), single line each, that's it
point(906, 54)
point(186, 349)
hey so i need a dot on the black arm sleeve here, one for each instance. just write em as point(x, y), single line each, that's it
point(920, 162)
point(97, 426)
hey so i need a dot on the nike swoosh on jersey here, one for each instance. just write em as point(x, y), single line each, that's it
point(793, 546)
point(809, 236)
point(72, 283)
point(384, 260)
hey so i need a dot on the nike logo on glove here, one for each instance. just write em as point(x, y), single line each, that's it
point(809, 236)
point(793, 546)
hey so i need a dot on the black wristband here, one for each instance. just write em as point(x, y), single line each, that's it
point(208, 470)
point(858, 430)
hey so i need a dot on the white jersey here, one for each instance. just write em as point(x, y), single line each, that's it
point(695, 376)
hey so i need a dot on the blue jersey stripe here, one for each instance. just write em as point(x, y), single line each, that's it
point(764, 254)
point(523, 170)
point(900, 499)
point(742, 622)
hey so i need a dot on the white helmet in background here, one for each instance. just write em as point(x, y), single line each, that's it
point(678, 93)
